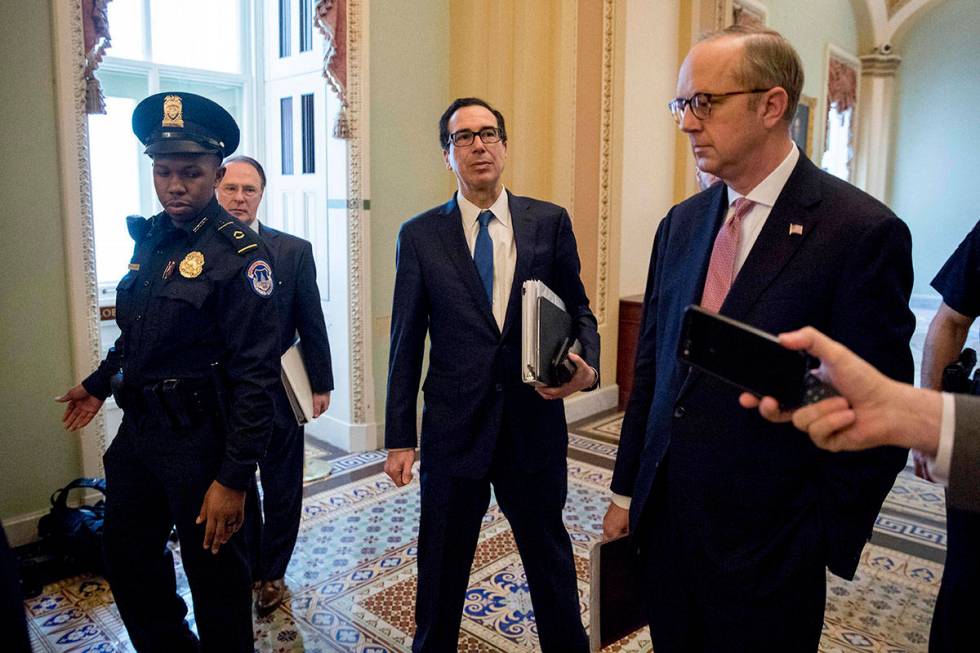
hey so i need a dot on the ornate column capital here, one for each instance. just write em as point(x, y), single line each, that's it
point(882, 62)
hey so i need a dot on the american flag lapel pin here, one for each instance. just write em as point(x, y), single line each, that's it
point(795, 229)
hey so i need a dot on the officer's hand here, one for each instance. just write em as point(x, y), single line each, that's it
point(222, 512)
point(583, 378)
point(616, 522)
point(398, 467)
point(321, 401)
point(81, 408)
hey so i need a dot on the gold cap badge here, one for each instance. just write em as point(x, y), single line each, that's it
point(173, 113)
point(192, 265)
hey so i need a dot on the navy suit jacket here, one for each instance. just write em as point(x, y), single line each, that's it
point(473, 388)
point(744, 486)
point(298, 303)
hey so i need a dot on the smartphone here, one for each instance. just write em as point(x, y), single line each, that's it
point(746, 357)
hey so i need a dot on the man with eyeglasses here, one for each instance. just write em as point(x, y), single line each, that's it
point(736, 519)
point(275, 527)
point(459, 271)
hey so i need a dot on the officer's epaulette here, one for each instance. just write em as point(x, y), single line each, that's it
point(243, 240)
point(137, 226)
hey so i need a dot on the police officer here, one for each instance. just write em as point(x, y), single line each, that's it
point(199, 356)
point(959, 284)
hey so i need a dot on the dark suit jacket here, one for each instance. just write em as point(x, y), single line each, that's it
point(298, 302)
point(964, 472)
point(473, 387)
point(746, 486)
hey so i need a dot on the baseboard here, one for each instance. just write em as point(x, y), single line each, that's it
point(349, 437)
point(22, 529)
point(586, 404)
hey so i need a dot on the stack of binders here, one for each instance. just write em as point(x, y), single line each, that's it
point(546, 336)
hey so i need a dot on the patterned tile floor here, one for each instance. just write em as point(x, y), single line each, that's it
point(352, 577)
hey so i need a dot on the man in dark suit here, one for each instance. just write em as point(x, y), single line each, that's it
point(735, 518)
point(959, 284)
point(298, 304)
point(460, 267)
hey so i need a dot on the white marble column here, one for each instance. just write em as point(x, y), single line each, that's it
point(875, 110)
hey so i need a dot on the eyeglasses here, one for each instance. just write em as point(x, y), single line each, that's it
point(700, 103)
point(464, 137)
point(231, 189)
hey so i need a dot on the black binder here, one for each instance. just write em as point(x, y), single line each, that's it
point(548, 336)
point(616, 607)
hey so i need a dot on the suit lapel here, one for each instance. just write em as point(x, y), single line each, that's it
point(454, 243)
point(525, 231)
point(271, 237)
point(702, 241)
point(772, 250)
point(708, 218)
point(787, 227)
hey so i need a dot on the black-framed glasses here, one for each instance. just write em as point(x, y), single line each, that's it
point(464, 137)
point(700, 103)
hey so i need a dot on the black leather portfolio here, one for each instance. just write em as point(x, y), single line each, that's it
point(615, 604)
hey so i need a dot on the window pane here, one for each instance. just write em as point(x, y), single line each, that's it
point(126, 27)
point(309, 152)
point(197, 34)
point(305, 25)
point(116, 169)
point(285, 27)
point(286, 134)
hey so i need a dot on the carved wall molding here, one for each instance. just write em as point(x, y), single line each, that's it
point(359, 295)
point(879, 65)
point(76, 199)
point(605, 155)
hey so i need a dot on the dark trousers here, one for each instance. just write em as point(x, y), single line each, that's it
point(697, 605)
point(452, 512)
point(273, 533)
point(12, 620)
point(156, 478)
point(953, 621)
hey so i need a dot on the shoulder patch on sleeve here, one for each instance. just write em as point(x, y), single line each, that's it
point(259, 277)
point(137, 226)
point(242, 239)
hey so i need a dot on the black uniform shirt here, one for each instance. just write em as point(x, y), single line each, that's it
point(959, 279)
point(197, 294)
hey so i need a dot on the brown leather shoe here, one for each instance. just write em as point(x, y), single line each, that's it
point(270, 596)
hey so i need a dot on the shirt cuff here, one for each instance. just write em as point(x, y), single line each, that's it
point(622, 501)
point(939, 466)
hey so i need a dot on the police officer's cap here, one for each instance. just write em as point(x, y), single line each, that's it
point(183, 123)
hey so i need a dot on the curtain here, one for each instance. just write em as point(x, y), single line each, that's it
point(95, 27)
point(331, 20)
point(841, 85)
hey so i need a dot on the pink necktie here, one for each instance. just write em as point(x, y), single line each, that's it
point(721, 268)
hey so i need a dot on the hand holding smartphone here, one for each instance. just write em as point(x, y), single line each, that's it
point(750, 359)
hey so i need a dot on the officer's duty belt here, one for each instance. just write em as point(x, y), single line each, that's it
point(178, 403)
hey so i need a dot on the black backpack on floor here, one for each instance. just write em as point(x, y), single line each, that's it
point(75, 534)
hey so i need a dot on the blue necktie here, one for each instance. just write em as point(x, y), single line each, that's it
point(483, 254)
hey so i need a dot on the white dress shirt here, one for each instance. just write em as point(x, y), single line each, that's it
point(504, 247)
point(764, 195)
